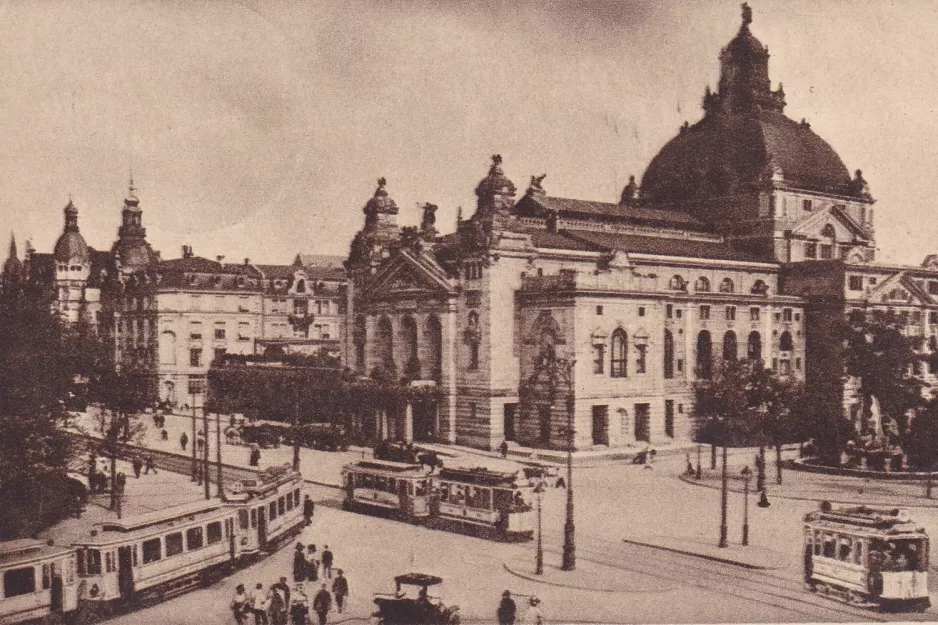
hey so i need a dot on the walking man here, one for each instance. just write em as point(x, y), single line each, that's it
point(312, 564)
point(299, 564)
point(504, 449)
point(327, 563)
point(507, 609)
point(322, 603)
point(308, 509)
point(258, 602)
point(149, 465)
point(183, 441)
point(137, 464)
point(340, 589)
point(239, 605)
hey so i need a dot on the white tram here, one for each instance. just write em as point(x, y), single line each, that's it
point(269, 508)
point(492, 503)
point(868, 556)
point(38, 580)
point(401, 489)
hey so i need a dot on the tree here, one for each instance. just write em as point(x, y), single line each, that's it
point(884, 362)
point(923, 437)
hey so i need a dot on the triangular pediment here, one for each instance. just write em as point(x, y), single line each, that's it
point(408, 275)
point(899, 289)
point(820, 224)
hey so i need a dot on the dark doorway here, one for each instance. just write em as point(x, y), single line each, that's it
point(643, 422)
point(510, 411)
point(261, 527)
point(544, 421)
point(600, 425)
point(669, 417)
point(125, 572)
point(424, 421)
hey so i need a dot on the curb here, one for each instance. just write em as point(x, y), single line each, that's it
point(703, 556)
point(535, 578)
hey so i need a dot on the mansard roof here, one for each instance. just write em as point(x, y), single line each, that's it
point(536, 205)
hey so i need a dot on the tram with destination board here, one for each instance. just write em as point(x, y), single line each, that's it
point(871, 557)
point(478, 501)
point(150, 557)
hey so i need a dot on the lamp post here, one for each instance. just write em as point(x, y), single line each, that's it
point(539, 556)
point(565, 368)
point(723, 489)
point(747, 475)
point(221, 489)
point(195, 467)
point(205, 458)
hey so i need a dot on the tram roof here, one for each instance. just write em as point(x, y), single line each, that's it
point(479, 475)
point(385, 465)
point(23, 550)
point(866, 520)
point(167, 516)
point(271, 476)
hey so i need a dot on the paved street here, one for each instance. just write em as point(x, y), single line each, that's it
point(615, 581)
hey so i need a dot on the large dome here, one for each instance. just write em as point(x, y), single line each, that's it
point(721, 153)
point(72, 249)
point(133, 254)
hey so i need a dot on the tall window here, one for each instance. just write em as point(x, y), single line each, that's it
point(704, 312)
point(641, 361)
point(704, 355)
point(729, 346)
point(620, 354)
point(434, 336)
point(702, 284)
point(755, 346)
point(599, 359)
point(195, 357)
point(385, 343)
point(727, 286)
point(730, 313)
point(409, 334)
point(359, 336)
point(668, 354)
point(785, 342)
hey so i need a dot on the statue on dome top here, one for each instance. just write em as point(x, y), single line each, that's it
point(747, 13)
point(629, 192)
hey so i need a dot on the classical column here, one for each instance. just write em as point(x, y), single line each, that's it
point(409, 423)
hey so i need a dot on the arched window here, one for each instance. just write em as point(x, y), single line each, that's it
point(434, 336)
point(754, 351)
point(412, 358)
point(760, 288)
point(385, 343)
point(704, 355)
point(168, 348)
point(677, 283)
point(301, 286)
point(620, 354)
point(785, 343)
point(729, 347)
point(668, 355)
point(702, 285)
point(727, 286)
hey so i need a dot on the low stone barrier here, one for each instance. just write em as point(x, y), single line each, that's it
point(805, 464)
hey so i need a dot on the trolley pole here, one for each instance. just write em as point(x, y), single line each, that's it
point(723, 502)
point(205, 458)
point(539, 557)
point(746, 475)
point(218, 480)
point(569, 538)
point(195, 468)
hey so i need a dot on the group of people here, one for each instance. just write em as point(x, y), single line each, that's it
point(145, 464)
point(279, 604)
point(507, 612)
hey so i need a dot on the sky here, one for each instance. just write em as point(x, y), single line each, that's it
point(258, 130)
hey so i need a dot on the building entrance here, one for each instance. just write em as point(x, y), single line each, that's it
point(600, 425)
point(425, 421)
point(511, 410)
point(643, 422)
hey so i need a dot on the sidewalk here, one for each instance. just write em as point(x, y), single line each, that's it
point(751, 557)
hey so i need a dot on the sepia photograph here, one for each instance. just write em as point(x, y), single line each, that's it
point(422, 312)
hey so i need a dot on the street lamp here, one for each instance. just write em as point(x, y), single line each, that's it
point(747, 475)
point(723, 490)
point(539, 557)
point(195, 466)
point(565, 368)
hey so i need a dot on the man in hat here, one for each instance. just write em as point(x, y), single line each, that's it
point(533, 615)
point(340, 589)
point(299, 564)
point(322, 603)
point(506, 609)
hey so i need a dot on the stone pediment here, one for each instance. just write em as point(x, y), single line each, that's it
point(406, 276)
point(832, 220)
point(899, 289)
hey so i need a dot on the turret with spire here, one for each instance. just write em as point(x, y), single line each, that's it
point(495, 195)
point(131, 247)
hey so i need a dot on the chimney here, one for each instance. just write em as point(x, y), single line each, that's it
point(220, 258)
point(187, 251)
point(247, 261)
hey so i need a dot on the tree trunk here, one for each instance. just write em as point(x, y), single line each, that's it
point(713, 457)
point(778, 463)
point(760, 468)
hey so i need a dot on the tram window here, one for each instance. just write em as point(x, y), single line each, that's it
point(290, 501)
point(253, 518)
point(70, 572)
point(135, 555)
point(296, 497)
point(273, 511)
point(858, 552)
point(194, 538)
point(844, 552)
point(243, 519)
point(214, 533)
point(281, 505)
point(420, 488)
point(173, 544)
point(830, 546)
point(152, 551)
point(94, 562)
point(81, 562)
point(484, 499)
point(109, 561)
point(46, 577)
point(18, 582)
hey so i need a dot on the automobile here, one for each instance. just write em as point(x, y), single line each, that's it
point(548, 475)
point(400, 608)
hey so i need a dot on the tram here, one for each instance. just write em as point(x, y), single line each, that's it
point(400, 489)
point(269, 508)
point(491, 503)
point(38, 579)
point(873, 557)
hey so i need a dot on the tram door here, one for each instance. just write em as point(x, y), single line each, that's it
point(261, 528)
point(125, 572)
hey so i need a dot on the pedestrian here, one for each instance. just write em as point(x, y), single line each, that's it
point(150, 466)
point(277, 605)
point(308, 509)
point(327, 563)
point(299, 564)
point(183, 441)
point(340, 589)
point(504, 449)
point(533, 615)
point(507, 609)
point(299, 608)
point(239, 605)
point(164, 435)
point(137, 464)
point(258, 601)
point(200, 441)
point(322, 603)
point(312, 564)
point(284, 589)
point(121, 483)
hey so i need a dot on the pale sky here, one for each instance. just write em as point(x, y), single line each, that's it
point(258, 129)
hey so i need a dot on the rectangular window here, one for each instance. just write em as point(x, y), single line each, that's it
point(599, 359)
point(243, 521)
point(855, 283)
point(220, 353)
point(194, 538)
point(680, 365)
point(677, 313)
point(281, 506)
point(730, 313)
point(786, 314)
point(754, 314)
point(300, 306)
point(195, 336)
point(47, 576)
point(289, 501)
point(94, 562)
point(254, 518)
point(641, 311)
point(798, 364)
point(810, 250)
point(704, 312)
point(272, 514)
point(219, 334)
point(214, 532)
point(195, 357)
point(641, 361)
point(18, 582)
point(599, 310)
point(933, 318)
point(109, 561)
point(827, 251)
point(152, 550)
point(173, 544)
point(807, 205)
point(669, 311)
